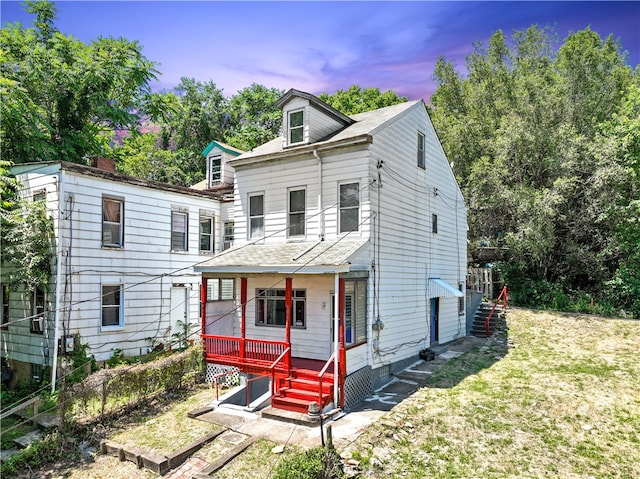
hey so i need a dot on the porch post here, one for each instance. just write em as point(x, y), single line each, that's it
point(288, 303)
point(243, 315)
point(336, 339)
point(343, 355)
point(203, 306)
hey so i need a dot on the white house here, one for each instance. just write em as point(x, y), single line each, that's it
point(123, 278)
point(360, 215)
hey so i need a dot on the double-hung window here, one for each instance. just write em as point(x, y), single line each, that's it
point(297, 207)
point(256, 215)
point(179, 230)
point(421, 151)
point(349, 207)
point(296, 126)
point(113, 222)
point(220, 289)
point(215, 170)
point(37, 311)
point(271, 307)
point(227, 239)
point(112, 306)
point(207, 227)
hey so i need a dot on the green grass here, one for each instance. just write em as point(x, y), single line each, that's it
point(563, 401)
point(12, 429)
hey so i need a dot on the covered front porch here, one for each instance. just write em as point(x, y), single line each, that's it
point(291, 334)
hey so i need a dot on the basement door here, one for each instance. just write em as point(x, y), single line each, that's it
point(435, 312)
point(179, 314)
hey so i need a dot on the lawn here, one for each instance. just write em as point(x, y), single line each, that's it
point(559, 396)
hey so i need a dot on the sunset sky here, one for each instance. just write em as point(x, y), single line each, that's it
point(324, 46)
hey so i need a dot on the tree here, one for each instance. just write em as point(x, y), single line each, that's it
point(358, 100)
point(541, 153)
point(254, 117)
point(62, 98)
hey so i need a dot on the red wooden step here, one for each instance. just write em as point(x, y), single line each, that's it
point(290, 404)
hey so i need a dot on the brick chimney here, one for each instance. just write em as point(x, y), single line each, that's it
point(104, 164)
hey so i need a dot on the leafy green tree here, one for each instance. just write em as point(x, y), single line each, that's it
point(543, 146)
point(253, 116)
point(358, 100)
point(62, 98)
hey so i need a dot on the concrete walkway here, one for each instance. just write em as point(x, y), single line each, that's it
point(346, 427)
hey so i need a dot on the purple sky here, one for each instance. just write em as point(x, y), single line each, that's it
point(324, 46)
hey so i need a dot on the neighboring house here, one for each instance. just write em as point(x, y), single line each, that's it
point(124, 250)
point(361, 215)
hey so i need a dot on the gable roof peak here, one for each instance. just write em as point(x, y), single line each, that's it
point(317, 103)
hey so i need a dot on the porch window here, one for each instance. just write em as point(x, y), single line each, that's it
point(227, 239)
point(179, 231)
point(271, 308)
point(37, 311)
point(349, 207)
point(355, 314)
point(112, 306)
point(206, 234)
point(421, 150)
point(256, 216)
point(220, 289)
point(296, 126)
point(297, 206)
point(113, 222)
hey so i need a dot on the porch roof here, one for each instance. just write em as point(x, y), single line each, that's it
point(305, 257)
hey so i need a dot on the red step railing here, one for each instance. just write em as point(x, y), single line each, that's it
point(502, 297)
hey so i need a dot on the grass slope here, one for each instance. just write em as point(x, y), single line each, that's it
point(557, 396)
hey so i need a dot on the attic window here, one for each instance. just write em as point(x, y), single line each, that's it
point(296, 126)
point(215, 167)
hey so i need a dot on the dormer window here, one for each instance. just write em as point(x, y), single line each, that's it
point(296, 126)
point(215, 170)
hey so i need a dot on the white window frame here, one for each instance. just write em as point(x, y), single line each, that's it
point(211, 235)
point(218, 289)
point(347, 208)
point(265, 298)
point(257, 218)
point(228, 235)
point(108, 226)
point(290, 213)
point(120, 306)
point(185, 234)
point(215, 170)
point(421, 150)
point(296, 128)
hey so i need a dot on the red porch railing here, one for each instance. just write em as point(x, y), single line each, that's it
point(258, 353)
point(336, 377)
point(502, 297)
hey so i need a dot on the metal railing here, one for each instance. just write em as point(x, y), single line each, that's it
point(272, 368)
point(503, 297)
point(321, 373)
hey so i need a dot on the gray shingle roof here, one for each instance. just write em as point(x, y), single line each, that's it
point(305, 257)
point(365, 124)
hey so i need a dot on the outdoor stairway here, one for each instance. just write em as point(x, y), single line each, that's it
point(300, 388)
point(478, 328)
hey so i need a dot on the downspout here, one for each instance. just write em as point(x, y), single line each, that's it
point(336, 337)
point(56, 338)
point(321, 219)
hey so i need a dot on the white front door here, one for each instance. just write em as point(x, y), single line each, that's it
point(179, 316)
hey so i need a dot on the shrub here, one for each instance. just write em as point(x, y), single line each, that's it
point(316, 463)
